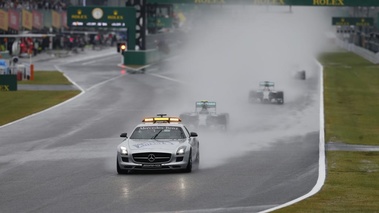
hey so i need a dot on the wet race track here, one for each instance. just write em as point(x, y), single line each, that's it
point(64, 159)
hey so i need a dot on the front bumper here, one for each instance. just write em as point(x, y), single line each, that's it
point(176, 162)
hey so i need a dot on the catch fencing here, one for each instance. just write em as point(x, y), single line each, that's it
point(365, 53)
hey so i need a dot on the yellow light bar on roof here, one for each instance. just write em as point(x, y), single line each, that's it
point(175, 120)
point(148, 120)
point(161, 120)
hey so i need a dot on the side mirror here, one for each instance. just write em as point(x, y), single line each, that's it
point(193, 134)
point(124, 135)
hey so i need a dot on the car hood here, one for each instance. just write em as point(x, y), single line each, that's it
point(155, 145)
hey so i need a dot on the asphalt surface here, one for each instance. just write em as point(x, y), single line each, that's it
point(56, 59)
point(63, 159)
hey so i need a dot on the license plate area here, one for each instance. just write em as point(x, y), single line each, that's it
point(151, 166)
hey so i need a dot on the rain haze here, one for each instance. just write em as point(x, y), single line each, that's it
point(229, 50)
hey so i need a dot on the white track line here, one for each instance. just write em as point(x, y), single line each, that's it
point(69, 100)
point(321, 162)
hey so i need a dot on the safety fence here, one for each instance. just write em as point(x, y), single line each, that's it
point(365, 53)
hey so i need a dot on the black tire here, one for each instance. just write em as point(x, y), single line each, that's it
point(188, 169)
point(198, 158)
point(303, 75)
point(280, 97)
point(280, 101)
point(121, 171)
point(224, 121)
point(259, 97)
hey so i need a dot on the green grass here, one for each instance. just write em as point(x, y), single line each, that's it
point(47, 78)
point(351, 185)
point(351, 86)
point(18, 104)
point(351, 99)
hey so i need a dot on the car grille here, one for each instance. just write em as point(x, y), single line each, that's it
point(152, 157)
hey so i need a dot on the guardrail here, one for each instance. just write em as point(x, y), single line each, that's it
point(365, 53)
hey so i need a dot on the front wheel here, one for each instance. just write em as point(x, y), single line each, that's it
point(188, 169)
point(121, 171)
point(280, 101)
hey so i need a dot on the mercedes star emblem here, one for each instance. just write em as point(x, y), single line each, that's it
point(151, 157)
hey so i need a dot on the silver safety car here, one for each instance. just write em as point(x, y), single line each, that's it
point(158, 143)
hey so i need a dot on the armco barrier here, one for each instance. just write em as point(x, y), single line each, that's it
point(8, 83)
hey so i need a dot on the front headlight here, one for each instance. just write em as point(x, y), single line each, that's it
point(123, 150)
point(181, 150)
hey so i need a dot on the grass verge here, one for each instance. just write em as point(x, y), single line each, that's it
point(351, 185)
point(351, 91)
point(47, 78)
point(351, 99)
point(18, 104)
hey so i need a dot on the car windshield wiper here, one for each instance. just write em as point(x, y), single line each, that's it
point(157, 134)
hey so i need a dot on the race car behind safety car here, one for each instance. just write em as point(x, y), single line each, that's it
point(266, 94)
point(205, 116)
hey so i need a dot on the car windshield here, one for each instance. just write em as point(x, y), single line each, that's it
point(158, 132)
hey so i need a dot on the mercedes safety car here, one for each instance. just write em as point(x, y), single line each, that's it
point(266, 94)
point(158, 143)
point(205, 116)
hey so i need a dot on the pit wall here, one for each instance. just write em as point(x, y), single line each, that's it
point(146, 57)
point(142, 57)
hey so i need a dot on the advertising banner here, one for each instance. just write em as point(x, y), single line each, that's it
point(14, 19)
point(100, 16)
point(47, 20)
point(64, 19)
point(352, 21)
point(8, 83)
point(3, 20)
point(27, 20)
point(56, 19)
point(331, 3)
point(37, 20)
